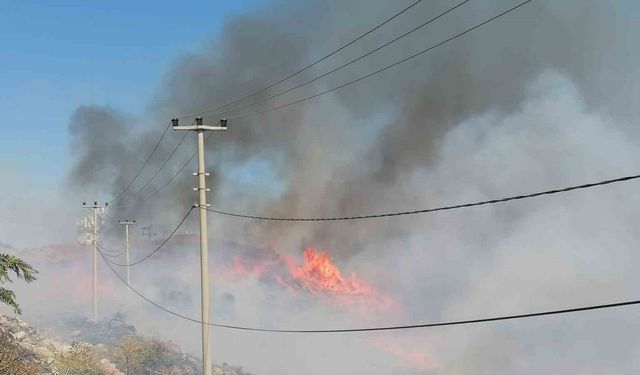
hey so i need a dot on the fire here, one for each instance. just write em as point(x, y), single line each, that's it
point(317, 275)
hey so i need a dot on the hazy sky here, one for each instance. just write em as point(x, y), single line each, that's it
point(58, 55)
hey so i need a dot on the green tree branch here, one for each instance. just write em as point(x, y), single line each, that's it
point(9, 265)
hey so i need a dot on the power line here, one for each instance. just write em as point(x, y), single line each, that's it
point(306, 67)
point(115, 255)
point(109, 216)
point(438, 324)
point(143, 165)
point(384, 68)
point(156, 249)
point(427, 210)
point(348, 63)
point(119, 251)
point(385, 328)
point(174, 175)
point(156, 192)
point(175, 149)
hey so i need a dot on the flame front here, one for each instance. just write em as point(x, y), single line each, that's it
point(317, 275)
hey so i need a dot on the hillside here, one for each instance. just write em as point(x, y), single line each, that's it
point(109, 347)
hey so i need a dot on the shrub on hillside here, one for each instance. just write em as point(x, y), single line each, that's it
point(137, 355)
point(80, 359)
point(16, 360)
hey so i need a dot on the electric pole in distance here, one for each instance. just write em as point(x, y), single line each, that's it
point(147, 231)
point(126, 224)
point(97, 209)
point(204, 246)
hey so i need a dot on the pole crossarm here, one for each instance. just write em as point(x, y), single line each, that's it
point(199, 127)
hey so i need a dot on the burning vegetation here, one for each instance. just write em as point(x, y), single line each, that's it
point(317, 275)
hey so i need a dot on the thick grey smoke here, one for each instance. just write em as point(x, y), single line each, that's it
point(344, 153)
point(541, 98)
point(100, 146)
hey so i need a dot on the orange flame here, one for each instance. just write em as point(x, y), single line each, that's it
point(318, 275)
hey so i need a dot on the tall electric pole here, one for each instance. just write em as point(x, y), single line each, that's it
point(204, 246)
point(126, 224)
point(97, 209)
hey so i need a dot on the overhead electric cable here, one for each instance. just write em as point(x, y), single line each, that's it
point(174, 175)
point(177, 146)
point(427, 210)
point(113, 255)
point(143, 165)
point(169, 180)
point(156, 249)
point(385, 328)
point(306, 67)
point(386, 67)
point(109, 216)
point(119, 251)
point(431, 20)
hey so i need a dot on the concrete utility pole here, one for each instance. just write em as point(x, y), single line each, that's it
point(97, 209)
point(204, 246)
point(126, 224)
